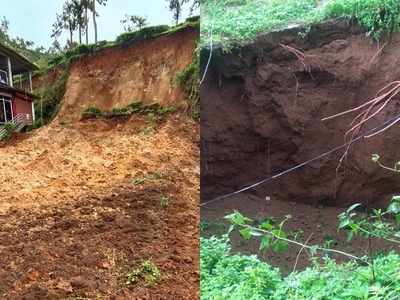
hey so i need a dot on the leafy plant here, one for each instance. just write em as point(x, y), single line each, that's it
point(230, 277)
point(147, 271)
point(189, 80)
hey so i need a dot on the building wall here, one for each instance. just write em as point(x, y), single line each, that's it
point(22, 105)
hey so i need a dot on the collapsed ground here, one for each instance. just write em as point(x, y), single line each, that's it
point(87, 203)
point(262, 115)
point(76, 216)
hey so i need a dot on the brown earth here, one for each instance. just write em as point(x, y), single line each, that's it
point(116, 77)
point(261, 114)
point(84, 203)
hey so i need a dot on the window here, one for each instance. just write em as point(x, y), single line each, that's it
point(6, 113)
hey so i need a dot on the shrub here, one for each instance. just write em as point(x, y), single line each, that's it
point(92, 112)
point(140, 35)
point(119, 112)
point(225, 276)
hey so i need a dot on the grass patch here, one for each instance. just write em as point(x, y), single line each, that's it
point(147, 272)
point(242, 20)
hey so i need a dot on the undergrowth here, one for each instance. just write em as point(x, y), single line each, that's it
point(189, 80)
point(147, 272)
point(49, 99)
point(242, 20)
point(154, 112)
point(227, 276)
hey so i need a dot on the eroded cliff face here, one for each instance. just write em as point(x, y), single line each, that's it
point(262, 111)
point(118, 76)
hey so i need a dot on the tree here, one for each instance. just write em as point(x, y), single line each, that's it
point(176, 6)
point(133, 22)
point(78, 9)
point(66, 21)
point(92, 7)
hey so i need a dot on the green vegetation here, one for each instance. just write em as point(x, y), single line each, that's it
point(125, 39)
point(9, 130)
point(189, 80)
point(226, 276)
point(242, 20)
point(375, 276)
point(154, 112)
point(147, 272)
point(92, 112)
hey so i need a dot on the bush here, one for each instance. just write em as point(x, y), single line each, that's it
point(225, 276)
point(119, 112)
point(92, 112)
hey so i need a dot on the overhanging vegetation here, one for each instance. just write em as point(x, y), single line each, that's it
point(242, 20)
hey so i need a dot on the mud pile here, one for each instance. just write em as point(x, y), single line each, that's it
point(85, 202)
point(262, 111)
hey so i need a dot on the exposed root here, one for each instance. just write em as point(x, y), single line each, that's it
point(299, 55)
point(369, 110)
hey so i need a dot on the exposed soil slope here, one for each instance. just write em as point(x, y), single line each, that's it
point(262, 111)
point(116, 77)
point(86, 202)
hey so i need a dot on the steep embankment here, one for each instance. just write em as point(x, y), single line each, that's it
point(262, 112)
point(118, 76)
point(84, 203)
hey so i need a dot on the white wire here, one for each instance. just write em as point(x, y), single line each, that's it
point(366, 134)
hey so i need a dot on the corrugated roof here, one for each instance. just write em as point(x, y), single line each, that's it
point(18, 61)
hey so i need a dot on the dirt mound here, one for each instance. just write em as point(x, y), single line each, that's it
point(116, 77)
point(262, 112)
point(82, 205)
point(85, 202)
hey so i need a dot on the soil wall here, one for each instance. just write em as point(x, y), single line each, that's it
point(118, 76)
point(262, 111)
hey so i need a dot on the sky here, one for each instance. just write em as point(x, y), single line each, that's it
point(33, 19)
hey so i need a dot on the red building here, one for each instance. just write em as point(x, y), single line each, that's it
point(16, 98)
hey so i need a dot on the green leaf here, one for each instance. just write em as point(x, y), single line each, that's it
point(265, 243)
point(237, 218)
point(245, 233)
point(280, 246)
point(266, 226)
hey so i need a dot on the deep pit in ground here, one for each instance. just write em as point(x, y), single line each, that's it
point(261, 114)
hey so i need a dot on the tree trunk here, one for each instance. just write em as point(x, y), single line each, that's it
point(80, 34)
point(87, 26)
point(94, 21)
point(71, 37)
